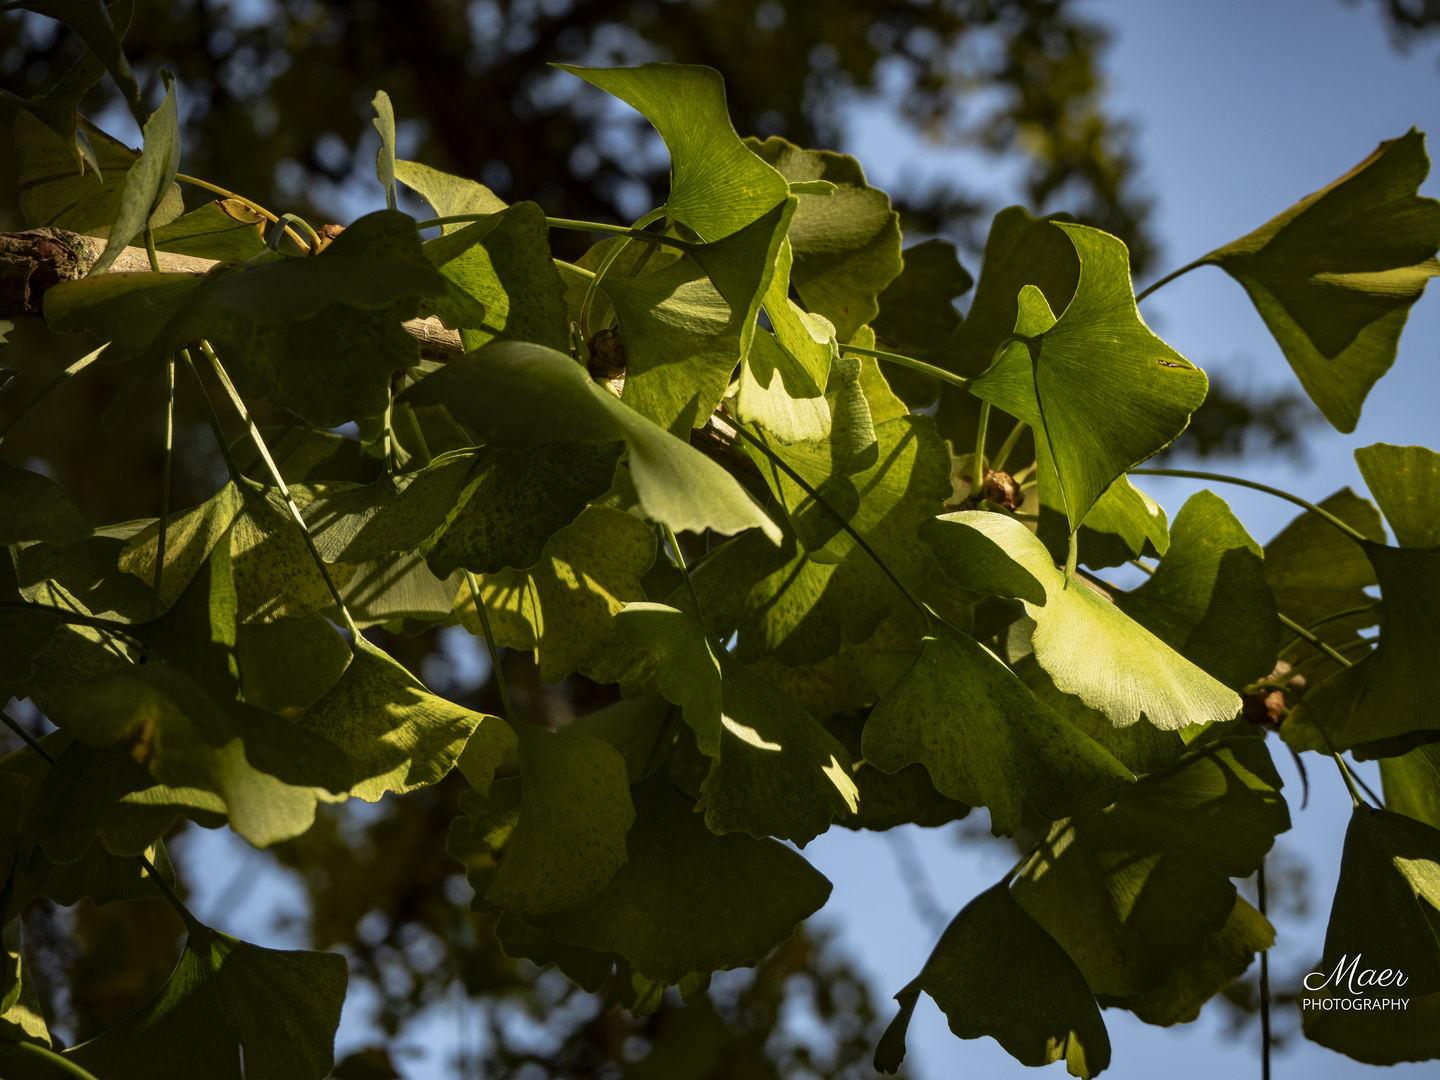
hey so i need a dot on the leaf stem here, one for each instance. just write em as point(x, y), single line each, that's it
point(150, 249)
point(982, 429)
point(251, 203)
point(1354, 534)
point(1264, 983)
point(1008, 447)
point(164, 485)
point(279, 480)
point(492, 647)
point(1307, 635)
point(62, 1063)
point(784, 467)
point(605, 264)
point(634, 232)
point(910, 362)
point(74, 368)
point(1332, 618)
point(685, 573)
point(25, 736)
point(1165, 281)
point(215, 427)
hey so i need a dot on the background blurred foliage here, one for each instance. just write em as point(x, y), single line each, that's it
point(275, 104)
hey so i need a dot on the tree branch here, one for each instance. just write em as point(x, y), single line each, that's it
point(33, 261)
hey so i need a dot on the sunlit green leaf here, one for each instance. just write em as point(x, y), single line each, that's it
point(53, 193)
point(1097, 426)
point(222, 229)
point(1334, 276)
point(563, 607)
point(502, 265)
point(1123, 524)
point(983, 737)
point(267, 770)
point(448, 195)
point(397, 735)
point(1412, 783)
point(1405, 481)
point(1208, 599)
point(774, 770)
point(996, 972)
point(149, 180)
point(846, 243)
point(1135, 890)
point(384, 123)
point(1087, 645)
point(717, 186)
point(524, 395)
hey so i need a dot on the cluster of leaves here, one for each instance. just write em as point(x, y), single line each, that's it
point(873, 621)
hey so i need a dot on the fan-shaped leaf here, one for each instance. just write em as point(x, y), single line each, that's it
point(774, 770)
point(1096, 426)
point(524, 395)
point(1136, 890)
point(397, 735)
point(717, 186)
point(34, 507)
point(1087, 645)
point(149, 180)
point(846, 243)
point(996, 972)
point(983, 737)
point(1334, 276)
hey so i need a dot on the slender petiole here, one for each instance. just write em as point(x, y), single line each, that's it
point(1354, 534)
point(1002, 457)
point(494, 650)
point(59, 1061)
point(685, 572)
point(915, 365)
point(1169, 278)
point(164, 485)
point(279, 481)
point(982, 429)
point(213, 417)
point(251, 203)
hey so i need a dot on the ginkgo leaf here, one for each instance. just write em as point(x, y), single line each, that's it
point(448, 196)
point(502, 264)
point(691, 901)
point(1412, 783)
point(1374, 1036)
point(996, 972)
point(774, 770)
point(887, 800)
point(524, 395)
point(1334, 276)
point(574, 814)
point(1225, 956)
point(230, 1009)
point(563, 607)
point(1087, 645)
point(1208, 599)
point(784, 378)
point(265, 769)
point(59, 107)
point(1136, 889)
point(686, 325)
point(984, 739)
point(1097, 425)
point(514, 501)
point(384, 124)
point(393, 513)
point(917, 315)
point(221, 229)
point(717, 186)
point(274, 572)
point(1405, 481)
point(1123, 524)
point(34, 507)
point(149, 180)
point(198, 633)
point(1316, 572)
point(51, 192)
point(1020, 250)
point(846, 244)
point(1386, 911)
point(397, 735)
point(95, 23)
